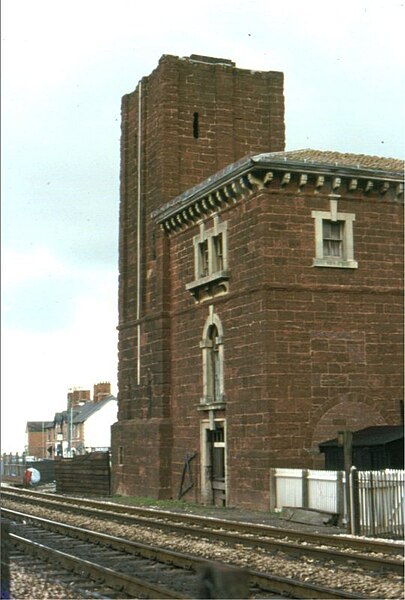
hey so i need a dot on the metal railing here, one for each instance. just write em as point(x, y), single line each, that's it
point(13, 466)
point(376, 504)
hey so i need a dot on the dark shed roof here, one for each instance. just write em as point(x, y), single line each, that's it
point(378, 435)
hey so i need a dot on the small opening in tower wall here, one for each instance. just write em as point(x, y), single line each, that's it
point(195, 126)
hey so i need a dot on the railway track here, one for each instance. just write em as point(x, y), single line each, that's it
point(369, 554)
point(43, 575)
point(143, 571)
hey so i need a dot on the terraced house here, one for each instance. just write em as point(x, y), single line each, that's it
point(260, 295)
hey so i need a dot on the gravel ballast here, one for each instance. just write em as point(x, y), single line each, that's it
point(349, 578)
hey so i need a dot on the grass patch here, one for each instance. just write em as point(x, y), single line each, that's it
point(181, 505)
point(194, 508)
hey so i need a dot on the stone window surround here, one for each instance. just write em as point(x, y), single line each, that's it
point(208, 236)
point(346, 219)
point(216, 281)
point(207, 402)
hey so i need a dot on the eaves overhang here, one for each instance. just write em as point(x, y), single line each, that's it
point(278, 173)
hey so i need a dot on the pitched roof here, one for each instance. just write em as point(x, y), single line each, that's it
point(37, 426)
point(377, 435)
point(59, 417)
point(327, 157)
point(257, 171)
point(89, 408)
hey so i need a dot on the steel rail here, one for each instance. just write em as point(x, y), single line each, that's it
point(265, 582)
point(291, 548)
point(132, 586)
point(261, 530)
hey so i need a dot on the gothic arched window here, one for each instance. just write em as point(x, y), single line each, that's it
point(213, 360)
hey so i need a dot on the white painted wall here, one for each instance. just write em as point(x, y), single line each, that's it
point(97, 428)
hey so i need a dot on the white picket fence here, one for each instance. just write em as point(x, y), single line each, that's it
point(377, 497)
point(321, 490)
point(381, 501)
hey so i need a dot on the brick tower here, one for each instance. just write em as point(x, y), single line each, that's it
point(187, 120)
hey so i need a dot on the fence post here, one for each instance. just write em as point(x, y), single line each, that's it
point(340, 496)
point(372, 505)
point(355, 502)
point(273, 489)
point(345, 439)
point(305, 491)
point(109, 472)
point(5, 558)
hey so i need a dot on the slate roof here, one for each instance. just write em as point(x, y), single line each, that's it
point(378, 435)
point(327, 157)
point(59, 417)
point(303, 161)
point(89, 408)
point(81, 413)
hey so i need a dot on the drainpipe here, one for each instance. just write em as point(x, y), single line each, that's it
point(70, 439)
point(138, 236)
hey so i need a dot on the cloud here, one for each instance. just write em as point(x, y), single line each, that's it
point(41, 291)
point(21, 267)
point(38, 367)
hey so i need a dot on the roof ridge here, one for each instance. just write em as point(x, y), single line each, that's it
point(333, 153)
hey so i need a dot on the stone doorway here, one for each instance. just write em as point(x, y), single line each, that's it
point(213, 452)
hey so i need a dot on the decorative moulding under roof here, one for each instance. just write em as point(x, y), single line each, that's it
point(295, 171)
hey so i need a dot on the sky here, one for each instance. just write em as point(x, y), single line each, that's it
point(65, 66)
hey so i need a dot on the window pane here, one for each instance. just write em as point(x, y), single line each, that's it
point(332, 238)
point(212, 364)
point(332, 248)
point(203, 266)
point(332, 230)
point(217, 379)
point(218, 252)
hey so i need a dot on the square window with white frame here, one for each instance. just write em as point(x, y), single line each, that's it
point(334, 238)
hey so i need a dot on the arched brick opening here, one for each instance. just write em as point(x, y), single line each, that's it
point(346, 415)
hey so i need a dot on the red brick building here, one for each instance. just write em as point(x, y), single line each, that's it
point(37, 434)
point(260, 290)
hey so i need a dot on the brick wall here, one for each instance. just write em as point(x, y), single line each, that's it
point(189, 118)
point(308, 351)
point(37, 444)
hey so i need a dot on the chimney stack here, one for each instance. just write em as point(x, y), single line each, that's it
point(101, 390)
point(75, 397)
